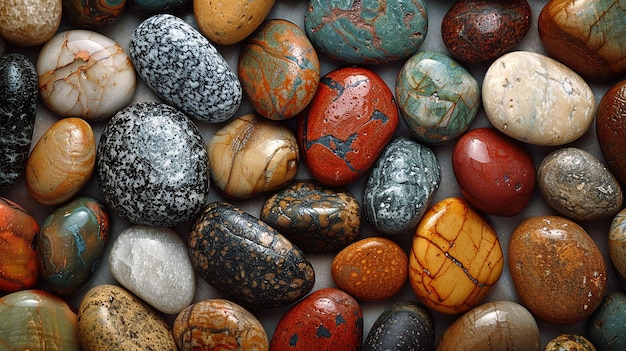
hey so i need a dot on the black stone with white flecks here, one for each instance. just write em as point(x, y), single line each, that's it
point(405, 325)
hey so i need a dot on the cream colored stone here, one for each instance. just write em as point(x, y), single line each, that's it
point(29, 22)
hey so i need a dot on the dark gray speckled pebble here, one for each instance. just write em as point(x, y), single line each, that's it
point(247, 259)
point(405, 325)
point(185, 69)
point(401, 186)
point(152, 165)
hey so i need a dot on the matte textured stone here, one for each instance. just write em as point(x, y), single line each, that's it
point(606, 325)
point(405, 325)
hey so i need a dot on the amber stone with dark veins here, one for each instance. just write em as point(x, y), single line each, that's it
point(611, 130)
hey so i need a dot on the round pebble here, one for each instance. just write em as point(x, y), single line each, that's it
point(605, 327)
point(569, 342)
point(93, 14)
point(611, 129)
point(617, 244)
point(405, 325)
point(30, 22)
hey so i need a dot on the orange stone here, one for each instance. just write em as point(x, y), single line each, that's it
point(455, 257)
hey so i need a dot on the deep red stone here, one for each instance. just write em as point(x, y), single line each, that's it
point(495, 173)
point(611, 130)
point(350, 121)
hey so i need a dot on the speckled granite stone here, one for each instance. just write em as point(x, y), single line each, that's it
point(185, 69)
point(405, 325)
point(152, 166)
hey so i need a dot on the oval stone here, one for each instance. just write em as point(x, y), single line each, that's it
point(617, 244)
point(611, 129)
point(279, 70)
point(496, 174)
point(366, 32)
point(30, 22)
point(606, 325)
point(536, 99)
point(405, 325)
point(147, 8)
point(152, 165)
point(578, 186)
point(401, 186)
point(569, 342)
point(455, 257)
point(438, 98)
point(550, 255)
point(152, 263)
point(350, 121)
point(92, 14)
point(247, 259)
point(315, 218)
point(204, 87)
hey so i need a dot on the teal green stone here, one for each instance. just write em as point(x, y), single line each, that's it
point(608, 322)
point(90, 14)
point(438, 98)
point(152, 7)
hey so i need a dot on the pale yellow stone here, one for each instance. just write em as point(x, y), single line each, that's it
point(29, 22)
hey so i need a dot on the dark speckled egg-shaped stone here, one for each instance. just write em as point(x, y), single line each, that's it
point(401, 186)
point(152, 165)
point(405, 325)
point(247, 259)
point(315, 218)
point(153, 7)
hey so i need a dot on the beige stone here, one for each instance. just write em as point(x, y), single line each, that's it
point(29, 22)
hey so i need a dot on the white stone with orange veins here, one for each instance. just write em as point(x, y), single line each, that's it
point(85, 74)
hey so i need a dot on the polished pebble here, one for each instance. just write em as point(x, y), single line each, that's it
point(438, 98)
point(405, 325)
point(401, 186)
point(148, 8)
point(279, 70)
point(327, 319)
point(611, 129)
point(605, 327)
point(371, 269)
point(569, 342)
point(61, 162)
point(251, 155)
point(18, 109)
point(617, 244)
point(111, 318)
point(3, 46)
point(218, 324)
point(349, 122)
point(30, 22)
point(557, 269)
point(536, 99)
point(204, 87)
point(152, 263)
point(71, 243)
point(247, 259)
point(152, 165)
point(93, 14)
point(496, 325)
point(314, 217)
point(455, 257)
point(85, 74)
point(495, 173)
point(578, 185)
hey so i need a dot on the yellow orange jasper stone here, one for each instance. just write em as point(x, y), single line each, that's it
point(455, 257)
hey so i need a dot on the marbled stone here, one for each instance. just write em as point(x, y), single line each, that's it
point(18, 109)
point(578, 186)
point(401, 186)
point(152, 165)
point(247, 259)
point(181, 66)
point(536, 99)
point(405, 325)
point(29, 22)
point(366, 32)
point(152, 263)
point(605, 327)
point(617, 244)
point(569, 342)
point(611, 129)
point(92, 14)
point(438, 98)
point(152, 7)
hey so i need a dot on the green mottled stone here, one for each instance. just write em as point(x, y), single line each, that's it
point(607, 324)
point(91, 14)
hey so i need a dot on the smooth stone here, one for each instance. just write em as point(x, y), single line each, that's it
point(455, 257)
point(405, 325)
point(351, 119)
point(605, 327)
point(111, 318)
point(92, 14)
point(19, 269)
point(315, 218)
point(578, 185)
point(218, 324)
point(36, 320)
point(71, 243)
point(152, 165)
point(242, 256)
point(279, 70)
point(569, 342)
point(495, 173)
point(550, 255)
point(30, 22)
point(327, 319)
point(611, 129)
point(586, 35)
point(3, 46)
point(371, 269)
point(401, 186)
point(498, 325)
point(438, 98)
point(19, 95)
point(149, 8)
point(536, 99)
point(369, 32)
point(204, 87)
point(251, 155)
point(617, 244)
point(481, 30)
point(85, 74)
point(62, 161)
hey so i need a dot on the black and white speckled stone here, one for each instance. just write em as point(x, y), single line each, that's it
point(180, 65)
point(405, 325)
point(401, 186)
point(18, 109)
point(247, 259)
point(152, 165)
